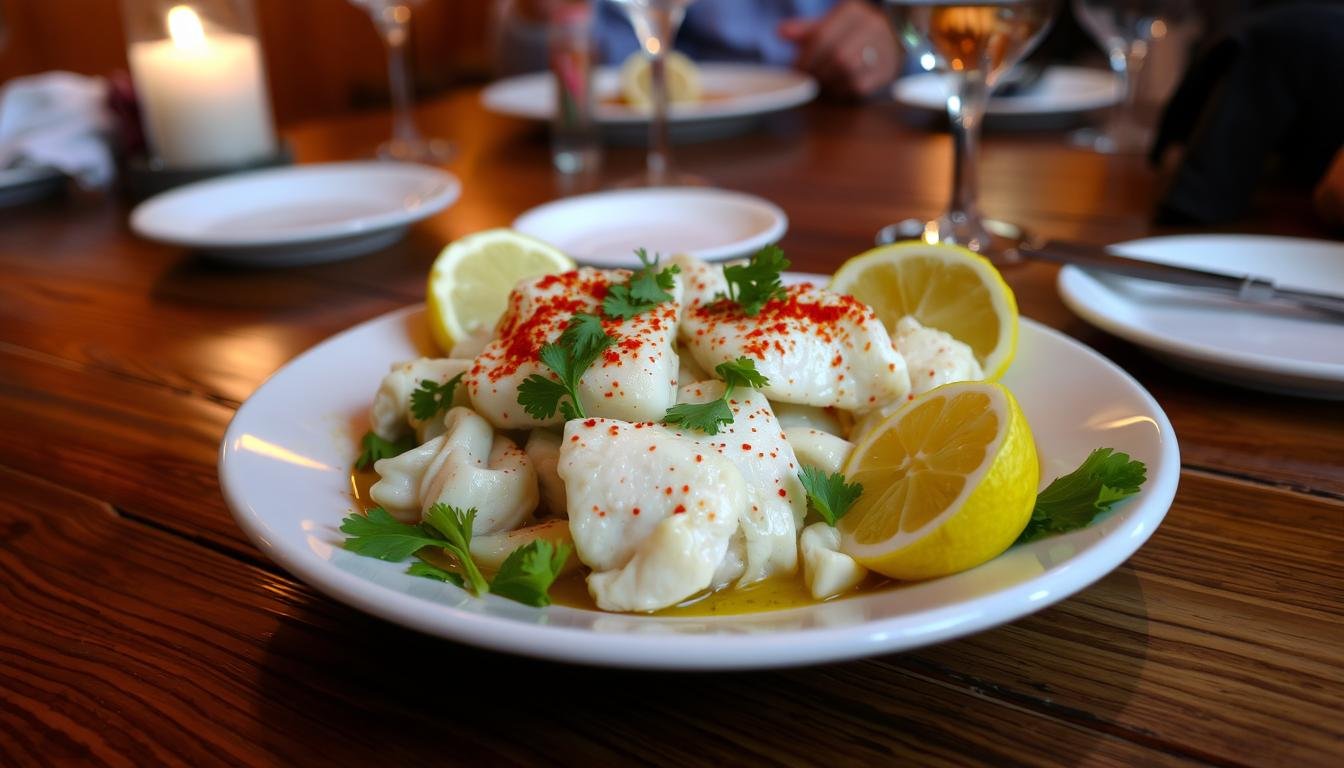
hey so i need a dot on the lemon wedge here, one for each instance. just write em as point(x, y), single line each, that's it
point(949, 482)
point(943, 286)
point(683, 80)
point(472, 277)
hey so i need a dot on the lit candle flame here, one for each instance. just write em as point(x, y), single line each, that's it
point(185, 28)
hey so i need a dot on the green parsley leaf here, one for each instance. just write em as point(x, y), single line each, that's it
point(433, 398)
point(741, 373)
point(428, 570)
point(829, 495)
point(645, 289)
point(752, 285)
point(455, 526)
point(576, 349)
point(706, 417)
point(528, 572)
point(1074, 500)
point(378, 534)
point(372, 448)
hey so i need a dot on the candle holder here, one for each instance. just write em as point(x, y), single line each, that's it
point(201, 85)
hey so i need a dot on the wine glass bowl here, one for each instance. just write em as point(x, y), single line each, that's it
point(973, 44)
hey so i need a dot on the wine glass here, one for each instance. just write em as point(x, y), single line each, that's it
point(656, 23)
point(974, 45)
point(1125, 29)
point(393, 20)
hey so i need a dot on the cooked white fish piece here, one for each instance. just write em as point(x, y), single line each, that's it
point(543, 450)
point(688, 371)
point(933, 357)
point(491, 550)
point(755, 443)
point(390, 418)
point(826, 570)
point(471, 345)
point(815, 347)
point(635, 379)
point(831, 420)
point(703, 282)
point(815, 448)
point(651, 513)
point(466, 467)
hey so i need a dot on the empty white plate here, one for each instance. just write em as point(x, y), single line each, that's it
point(736, 96)
point(301, 214)
point(1060, 96)
point(1299, 353)
point(603, 229)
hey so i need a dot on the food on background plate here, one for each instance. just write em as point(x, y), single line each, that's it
point(683, 80)
point(683, 431)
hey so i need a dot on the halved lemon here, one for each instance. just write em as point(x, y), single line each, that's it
point(949, 482)
point(683, 80)
point(943, 286)
point(472, 277)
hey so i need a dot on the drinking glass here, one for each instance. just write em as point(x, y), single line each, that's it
point(393, 20)
point(973, 44)
point(1125, 29)
point(656, 23)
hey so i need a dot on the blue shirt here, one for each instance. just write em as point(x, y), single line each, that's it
point(714, 30)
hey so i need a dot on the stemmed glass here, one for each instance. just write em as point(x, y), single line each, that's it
point(1125, 29)
point(974, 45)
point(656, 23)
point(393, 20)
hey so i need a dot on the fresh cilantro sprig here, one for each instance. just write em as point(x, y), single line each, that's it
point(829, 495)
point(526, 575)
point(1074, 500)
point(372, 448)
point(707, 417)
point(433, 398)
point(752, 285)
point(580, 344)
point(647, 288)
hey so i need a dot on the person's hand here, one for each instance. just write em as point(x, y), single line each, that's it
point(851, 50)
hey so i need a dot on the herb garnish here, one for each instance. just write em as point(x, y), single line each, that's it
point(433, 398)
point(372, 448)
point(580, 344)
point(647, 288)
point(1074, 500)
point(706, 417)
point(829, 495)
point(752, 285)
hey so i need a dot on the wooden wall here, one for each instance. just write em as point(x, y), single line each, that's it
point(323, 56)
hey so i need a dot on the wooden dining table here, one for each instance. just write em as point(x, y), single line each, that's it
point(139, 626)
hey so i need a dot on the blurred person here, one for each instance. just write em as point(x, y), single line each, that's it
point(847, 45)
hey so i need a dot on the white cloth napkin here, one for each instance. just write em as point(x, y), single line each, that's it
point(59, 120)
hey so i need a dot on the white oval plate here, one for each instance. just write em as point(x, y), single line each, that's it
point(1297, 353)
point(300, 214)
point(1061, 92)
point(736, 90)
point(284, 467)
point(604, 228)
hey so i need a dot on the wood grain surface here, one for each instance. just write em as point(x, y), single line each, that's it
point(141, 628)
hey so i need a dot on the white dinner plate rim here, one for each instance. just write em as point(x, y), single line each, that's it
point(1067, 285)
point(719, 651)
point(779, 224)
point(144, 217)
point(1010, 106)
point(803, 89)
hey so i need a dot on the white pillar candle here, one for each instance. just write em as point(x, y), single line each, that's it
point(202, 96)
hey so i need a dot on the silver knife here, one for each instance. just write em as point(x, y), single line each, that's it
point(1247, 288)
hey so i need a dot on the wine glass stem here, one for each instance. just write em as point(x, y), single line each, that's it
point(1130, 68)
point(394, 24)
point(965, 111)
point(659, 158)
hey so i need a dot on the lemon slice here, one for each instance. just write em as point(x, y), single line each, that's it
point(472, 277)
point(943, 286)
point(949, 482)
point(683, 80)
